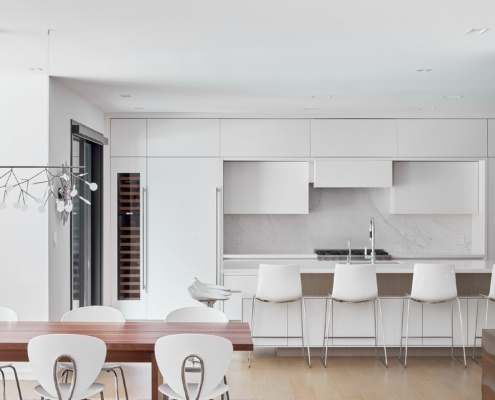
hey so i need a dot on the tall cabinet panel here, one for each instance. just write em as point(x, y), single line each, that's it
point(128, 185)
point(182, 230)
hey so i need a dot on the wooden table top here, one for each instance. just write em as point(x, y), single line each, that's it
point(126, 336)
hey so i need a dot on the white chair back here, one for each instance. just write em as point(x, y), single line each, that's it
point(279, 283)
point(94, 314)
point(7, 314)
point(196, 314)
point(215, 351)
point(491, 294)
point(434, 282)
point(354, 282)
point(87, 352)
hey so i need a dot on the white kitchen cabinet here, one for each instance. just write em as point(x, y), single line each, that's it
point(263, 187)
point(127, 241)
point(178, 232)
point(352, 173)
point(270, 322)
point(315, 311)
point(442, 138)
point(127, 137)
point(435, 188)
point(183, 137)
point(265, 137)
point(491, 138)
point(182, 218)
point(437, 321)
point(353, 138)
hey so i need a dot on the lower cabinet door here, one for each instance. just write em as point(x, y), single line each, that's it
point(437, 321)
point(270, 322)
point(315, 311)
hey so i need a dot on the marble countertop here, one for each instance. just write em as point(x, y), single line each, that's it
point(309, 265)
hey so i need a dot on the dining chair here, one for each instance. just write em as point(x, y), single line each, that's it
point(432, 284)
point(280, 284)
point(489, 298)
point(98, 314)
point(86, 354)
point(198, 314)
point(213, 353)
point(354, 283)
point(9, 315)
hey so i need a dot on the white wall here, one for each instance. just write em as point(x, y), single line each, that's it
point(23, 235)
point(64, 106)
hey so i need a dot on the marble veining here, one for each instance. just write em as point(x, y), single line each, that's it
point(336, 214)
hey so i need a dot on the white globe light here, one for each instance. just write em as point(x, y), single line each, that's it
point(68, 207)
point(41, 208)
point(17, 205)
point(3, 205)
point(60, 206)
point(9, 188)
point(93, 186)
point(24, 207)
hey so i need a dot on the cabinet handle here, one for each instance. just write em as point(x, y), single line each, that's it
point(145, 270)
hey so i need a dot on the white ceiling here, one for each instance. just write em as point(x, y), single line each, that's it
point(266, 56)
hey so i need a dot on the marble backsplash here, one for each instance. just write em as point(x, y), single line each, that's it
point(336, 214)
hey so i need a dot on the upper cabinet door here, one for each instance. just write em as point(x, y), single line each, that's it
point(442, 138)
point(265, 137)
point(127, 137)
point(183, 137)
point(491, 138)
point(435, 187)
point(266, 187)
point(352, 173)
point(354, 138)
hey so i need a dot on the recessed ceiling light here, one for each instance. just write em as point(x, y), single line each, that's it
point(125, 95)
point(452, 96)
point(35, 69)
point(427, 109)
point(476, 31)
point(321, 97)
point(139, 108)
point(423, 70)
point(311, 109)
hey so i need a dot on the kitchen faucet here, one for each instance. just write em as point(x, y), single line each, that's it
point(372, 239)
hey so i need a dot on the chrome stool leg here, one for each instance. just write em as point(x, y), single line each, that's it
point(303, 311)
point(252, 329)
point(123, 381)
point(383, 333)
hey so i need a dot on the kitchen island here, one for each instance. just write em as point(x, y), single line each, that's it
point(394, 280)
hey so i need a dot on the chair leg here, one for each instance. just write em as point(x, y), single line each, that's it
point(123, 381)
point(16, 381)
point(3, 380)
point(383, 331)
point(252, 329)
point(117, 395)
point(101, 395)
point(462, 332)
point(407, 332)
point(325, 336)
point(401, 329)
point(225, 382)
point(303, 311)
point(476, 325)
point(328, 317)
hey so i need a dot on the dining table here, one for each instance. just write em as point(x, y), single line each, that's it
point(127, 342)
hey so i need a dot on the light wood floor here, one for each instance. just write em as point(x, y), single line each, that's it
point(346, 378)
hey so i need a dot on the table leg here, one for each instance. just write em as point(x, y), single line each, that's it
point(156, 379)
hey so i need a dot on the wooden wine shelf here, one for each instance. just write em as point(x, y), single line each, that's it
point(129, 236)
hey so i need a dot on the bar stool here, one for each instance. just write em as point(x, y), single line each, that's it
point(280, 284)
point(354, 283)
point(432, 284)
point(489, 297)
